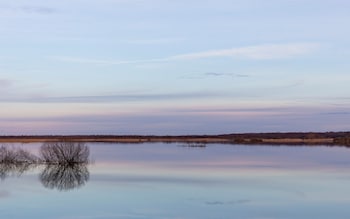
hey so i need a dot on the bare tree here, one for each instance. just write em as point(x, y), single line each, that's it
point(65, 164)
point(16, 155)
point(65, 153)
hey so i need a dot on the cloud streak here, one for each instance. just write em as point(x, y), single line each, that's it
point(37, 10)
point(154, 41)
point(116, 98)
point(5, 83)
point(259, 52)
point(217, 74)
point(28, 9)
point(214, 74)
point(81, 60)
point(177, 121)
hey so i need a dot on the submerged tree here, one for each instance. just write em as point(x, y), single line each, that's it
point(16, 156)
point(65, 164)
point(65, 153)
point(15, 161)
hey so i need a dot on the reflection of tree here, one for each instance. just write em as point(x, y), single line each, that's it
point(194, 145)
point(15, 161)
point(9, 169)
point(16, 155)
point(64, 177)
point(65, 164)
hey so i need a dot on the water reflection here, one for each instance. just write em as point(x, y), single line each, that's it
point(14, 169)
point(64, 164)
point(15, 161)
point(64, 177)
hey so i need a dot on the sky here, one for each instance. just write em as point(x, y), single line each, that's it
point(173, 67)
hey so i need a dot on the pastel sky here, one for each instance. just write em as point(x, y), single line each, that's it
point(174, 67)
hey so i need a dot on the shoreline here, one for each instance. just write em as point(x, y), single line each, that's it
point(291, 138)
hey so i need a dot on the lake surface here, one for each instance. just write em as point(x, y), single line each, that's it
point(174, 181)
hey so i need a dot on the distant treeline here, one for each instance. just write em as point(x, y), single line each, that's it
point(271, 135)
point(293, 138)
point(290, 135)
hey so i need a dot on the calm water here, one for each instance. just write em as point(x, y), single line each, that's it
point(171, 181)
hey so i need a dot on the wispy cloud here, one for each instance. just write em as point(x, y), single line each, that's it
point(154, 41)
point(338, 113)
point(30, 9)
point(175, 121)
point(103, 61)
point(259, 52)
point(268, 51)
point(214, 74)
point(218, 74)
point(116, 98)
point(5, 83)
point(37, 9)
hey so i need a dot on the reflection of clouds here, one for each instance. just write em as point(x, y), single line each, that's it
point(235, 202)
point(107, 215)
point(64, 177)
point(4, 194)
point(220, 159)
point(154, 179)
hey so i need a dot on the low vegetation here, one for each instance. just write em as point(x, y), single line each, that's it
point(16, 155)
point(292, 138)
point(65, 164)
point(66, 153)
point(342, 141)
